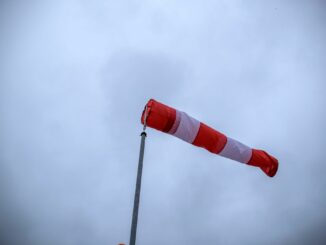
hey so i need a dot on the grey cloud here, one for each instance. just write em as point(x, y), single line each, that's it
point(75, 76)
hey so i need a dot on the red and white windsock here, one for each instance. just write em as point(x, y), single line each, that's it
point(183, 126)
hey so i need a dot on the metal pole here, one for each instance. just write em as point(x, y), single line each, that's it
point(137, 191)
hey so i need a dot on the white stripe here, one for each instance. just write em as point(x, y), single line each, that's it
point(236, 151)
point(188, 128)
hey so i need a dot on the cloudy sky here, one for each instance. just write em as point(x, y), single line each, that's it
point(74, 77)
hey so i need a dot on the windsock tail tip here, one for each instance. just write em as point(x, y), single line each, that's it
point(272, 169)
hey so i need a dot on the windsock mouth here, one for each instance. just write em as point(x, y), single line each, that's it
point(158, 116)
point(146, 110)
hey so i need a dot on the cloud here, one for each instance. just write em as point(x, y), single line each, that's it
point(75, 76)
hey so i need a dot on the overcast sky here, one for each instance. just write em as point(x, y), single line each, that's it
point(75, 76)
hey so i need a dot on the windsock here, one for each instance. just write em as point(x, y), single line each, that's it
point(183, 126)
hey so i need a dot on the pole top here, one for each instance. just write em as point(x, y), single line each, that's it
point(143, 133)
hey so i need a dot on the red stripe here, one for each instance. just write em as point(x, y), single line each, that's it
point(210, 139)
point(266, 162)
point(176, 123)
